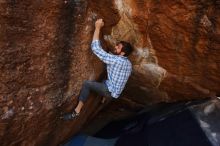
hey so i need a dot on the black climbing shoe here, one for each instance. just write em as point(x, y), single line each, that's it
point(70, 116)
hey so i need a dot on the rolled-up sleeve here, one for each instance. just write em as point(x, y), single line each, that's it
point(101, 54)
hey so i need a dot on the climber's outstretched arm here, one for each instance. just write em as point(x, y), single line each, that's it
point(98, 25)
point(96, 46)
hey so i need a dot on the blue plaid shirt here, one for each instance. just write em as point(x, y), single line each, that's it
point(118, 68)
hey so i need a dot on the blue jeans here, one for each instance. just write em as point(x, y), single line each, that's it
point(99, 88)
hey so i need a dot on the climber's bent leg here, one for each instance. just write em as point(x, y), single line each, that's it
point(99, 88)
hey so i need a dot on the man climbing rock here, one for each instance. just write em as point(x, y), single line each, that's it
point(118, 71)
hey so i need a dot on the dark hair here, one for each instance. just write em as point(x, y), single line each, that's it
point(126, 48)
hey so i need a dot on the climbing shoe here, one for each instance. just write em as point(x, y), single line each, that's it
point(70, 116)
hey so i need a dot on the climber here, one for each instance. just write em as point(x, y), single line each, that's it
point(118, 71)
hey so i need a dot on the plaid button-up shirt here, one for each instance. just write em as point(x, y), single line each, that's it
point(118, 69)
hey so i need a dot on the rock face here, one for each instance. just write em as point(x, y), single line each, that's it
point(45, 56)
point(177, 44)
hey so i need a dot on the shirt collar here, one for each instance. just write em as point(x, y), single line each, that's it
point(123, 56)
point(118, 55)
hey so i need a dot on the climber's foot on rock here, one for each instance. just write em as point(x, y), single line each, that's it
point(69, 116)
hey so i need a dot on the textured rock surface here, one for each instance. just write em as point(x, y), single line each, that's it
point(45, 56)
point(177, 42)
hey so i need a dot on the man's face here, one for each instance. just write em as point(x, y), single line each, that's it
point(118, 49)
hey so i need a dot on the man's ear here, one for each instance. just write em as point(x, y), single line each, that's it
point(123, 53)
point(121, 46)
